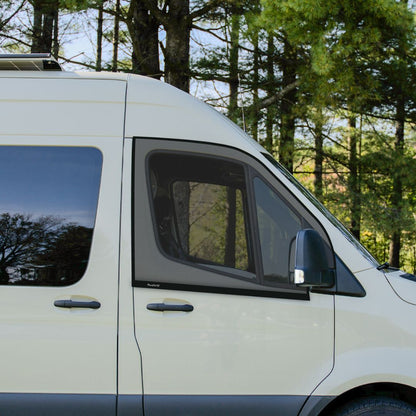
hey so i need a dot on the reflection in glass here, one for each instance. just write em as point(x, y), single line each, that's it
point(48, 200)
point(201, 211)
point(278, 226)
point(216, 229)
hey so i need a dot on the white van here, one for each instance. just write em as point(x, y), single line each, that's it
point(154, 260)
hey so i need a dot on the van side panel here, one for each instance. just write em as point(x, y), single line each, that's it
point(223, 405)
point(73, 107)
point(62, 360)
point(233, 353)
point(373, 343)
point(14, 404)
point(130, 388)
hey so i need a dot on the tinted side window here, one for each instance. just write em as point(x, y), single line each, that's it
point(201, 211)
point(48, 202)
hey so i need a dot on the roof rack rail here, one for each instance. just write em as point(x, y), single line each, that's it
point(29, 62)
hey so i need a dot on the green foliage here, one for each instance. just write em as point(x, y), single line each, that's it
point(78, 5)
point(342, 41)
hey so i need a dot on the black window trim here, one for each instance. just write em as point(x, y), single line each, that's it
point(278, 294)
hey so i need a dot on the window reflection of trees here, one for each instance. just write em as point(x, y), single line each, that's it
point(42, 251)
point(201, 210)
point(216, 225)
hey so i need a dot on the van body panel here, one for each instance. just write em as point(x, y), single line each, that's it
point(239, 353)
point(403, 284)
point(158, 110)
point(73, 107)
point(59, 350)
point(242, 345)
point(315, 405)
point(129, 405)
point(373, 343)
point(129, 358)
point(16, 404)
point(223, 405)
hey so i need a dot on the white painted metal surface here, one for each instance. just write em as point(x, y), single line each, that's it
point(234, 344)
point(375, 338)
point(44, 348)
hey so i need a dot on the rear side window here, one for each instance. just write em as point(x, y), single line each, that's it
point(48, 203)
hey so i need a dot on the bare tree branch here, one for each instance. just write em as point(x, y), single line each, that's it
point(71, 61)
point(8, 19)
point(22, 42)
point(222, 39)
point(267, 102)
point(203, 10)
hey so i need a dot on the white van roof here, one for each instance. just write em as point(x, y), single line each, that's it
point(88, 103)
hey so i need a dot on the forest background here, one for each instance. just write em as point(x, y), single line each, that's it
point(327, 86)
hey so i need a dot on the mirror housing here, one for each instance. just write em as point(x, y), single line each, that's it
point(314, 261)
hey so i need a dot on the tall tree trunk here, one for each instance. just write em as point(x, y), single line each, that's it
point(230, 232)
point(100, 20)
point(233, 76)
point(183, 195)
point(55, 49)
point(176, 52)
point(233, 115)
point(319, 157)
point(143, 28)
point(397, 194)
point(37, 26)
point(287, 116)
point(254, 116)
point(4, 276)
point(354, 184)
point(177, 21)
point(114, 63)
point(270, 90)
point(45, 21)
point(47, 30)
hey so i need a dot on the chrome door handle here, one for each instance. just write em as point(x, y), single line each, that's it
point(161, 307)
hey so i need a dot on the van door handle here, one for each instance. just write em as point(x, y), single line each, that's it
point(164, 307)
point(68, 303)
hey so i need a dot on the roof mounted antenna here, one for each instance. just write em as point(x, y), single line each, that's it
point(242, 103)
point(29, 62)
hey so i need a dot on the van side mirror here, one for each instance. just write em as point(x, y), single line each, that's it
point(314, 261)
